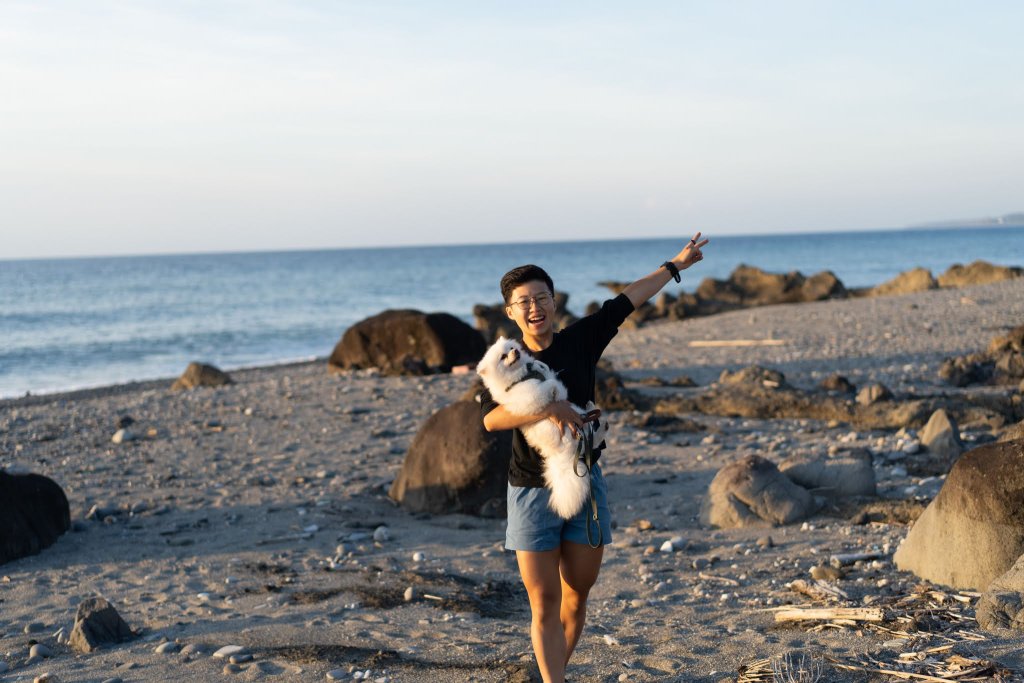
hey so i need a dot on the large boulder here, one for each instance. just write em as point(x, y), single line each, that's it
point(1002, 604)
point(916, 280)
point(408, 342)
point(750, 286)
point(34, 512)
point(845, 474)
point(973, 531)
point(977, 273)
point(97, 623)
point(200, 375)
point(455, 465)
point(752, 492)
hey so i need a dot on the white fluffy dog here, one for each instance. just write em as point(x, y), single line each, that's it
point(525, 386)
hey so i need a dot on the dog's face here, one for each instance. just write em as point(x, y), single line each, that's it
point(503, 361)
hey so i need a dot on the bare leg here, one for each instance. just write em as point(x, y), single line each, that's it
point(578, 570)
point(539, 571)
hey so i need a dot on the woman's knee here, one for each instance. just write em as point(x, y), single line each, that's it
point(544, 600)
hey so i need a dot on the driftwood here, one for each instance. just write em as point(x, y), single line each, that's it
point(841, 560)
point(786, 614)
point(819, 590)
point(716, 343)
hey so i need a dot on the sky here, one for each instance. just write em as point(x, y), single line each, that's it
point(141, 126)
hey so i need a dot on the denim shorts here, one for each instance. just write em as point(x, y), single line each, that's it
point(532, 525)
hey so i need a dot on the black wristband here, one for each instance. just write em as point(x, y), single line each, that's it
point(671, 268)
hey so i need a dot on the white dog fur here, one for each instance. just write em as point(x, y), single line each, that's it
point(525, 386)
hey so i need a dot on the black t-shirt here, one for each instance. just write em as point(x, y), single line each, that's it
point(573, 354)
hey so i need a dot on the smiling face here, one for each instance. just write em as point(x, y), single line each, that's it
point(536, 320)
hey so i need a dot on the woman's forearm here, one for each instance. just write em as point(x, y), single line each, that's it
point(643, 289)
point(500, 419)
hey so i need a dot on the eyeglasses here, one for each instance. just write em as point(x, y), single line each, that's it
point(541, 300)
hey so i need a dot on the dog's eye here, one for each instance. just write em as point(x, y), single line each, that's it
point(504, 356)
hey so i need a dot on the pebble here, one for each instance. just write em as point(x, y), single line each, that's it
point(911, 447)
point(240, 658)
point(765, 542)
point(826, 573)
point(418, 557)
point(609, 640)
point(115, 679)
point(46, 678)
point(898, 472)
point(228, 650)
point(168, 648)
point(40, 650)
point(410, 594)
point(123, 435)
point(381, 534)
point(337, 674)
point(231, 669)
point(34, 627)
point(4, 666)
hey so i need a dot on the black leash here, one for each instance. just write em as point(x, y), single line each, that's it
point(585, 454)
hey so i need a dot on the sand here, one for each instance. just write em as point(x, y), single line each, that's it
point(245, 515)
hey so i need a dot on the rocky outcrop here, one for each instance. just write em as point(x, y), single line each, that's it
point(97, 623)
point(34, 512)
point(492, 321)
point(455, 465)
point(200, 375)
point(1002, 604)
point(408, 342)
point(611, 392)
point(908, 282)
point(752, 492)
point(1001, 363)
point(978, 273)
point(973, 531)
point(750, 286)
point(845, 474)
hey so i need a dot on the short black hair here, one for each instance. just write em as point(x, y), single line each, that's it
point(522, 275)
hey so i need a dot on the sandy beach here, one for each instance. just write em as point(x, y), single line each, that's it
point(252, 515)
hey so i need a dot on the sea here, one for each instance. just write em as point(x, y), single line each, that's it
point(75, 323)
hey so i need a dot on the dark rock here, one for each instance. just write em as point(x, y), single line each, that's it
point(125, 421)
point(752, 492)
point(977, 273)
point(966, 370)
point(836, 382)
point(97, 623)
point(973, 531)
point(408, 342)
point(455, 465)
point(611, 392)
point(1001, 363)
point(941, 437)
point(661, 423)
point(916, 280)
point(750, 286)
point(34, 512)
point(200, 375)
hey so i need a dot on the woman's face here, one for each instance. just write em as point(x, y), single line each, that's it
point(532, 307)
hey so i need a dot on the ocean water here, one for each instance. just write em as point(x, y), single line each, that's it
point(75, 323)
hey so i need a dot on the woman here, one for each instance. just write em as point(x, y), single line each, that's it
point(558, 560)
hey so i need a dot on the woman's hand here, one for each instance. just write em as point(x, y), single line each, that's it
point(565, 416)
point(690, 253)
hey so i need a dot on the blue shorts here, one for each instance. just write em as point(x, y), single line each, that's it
point(532, 525)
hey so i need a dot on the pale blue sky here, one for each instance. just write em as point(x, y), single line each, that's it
point(136, 127)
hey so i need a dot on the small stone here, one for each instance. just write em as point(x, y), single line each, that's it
point(123, 435)
point(240, 658)
point(168, 648)
point(418, 557)
point(40, 650)
point(826, 573)
point(231, 668)
point(381, 534)
point(609, 640)
point(46, 678)
point(898, 472)
point(34, 627)
point(765, 542)
point(911, 447)
point(228, 650)
point(337, 674)
point(644, 524)
point(667, 547)
point(4, 666)
point(197, 649)
point(410, 594)
point(115, 679)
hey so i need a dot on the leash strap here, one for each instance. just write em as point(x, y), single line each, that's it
point(585, 453)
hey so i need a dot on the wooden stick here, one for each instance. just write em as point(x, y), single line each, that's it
point(849, 558)
point(826, 613)
point(899, 674)
point(715, 343)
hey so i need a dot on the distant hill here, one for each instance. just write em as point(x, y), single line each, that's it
point(1010, 219)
